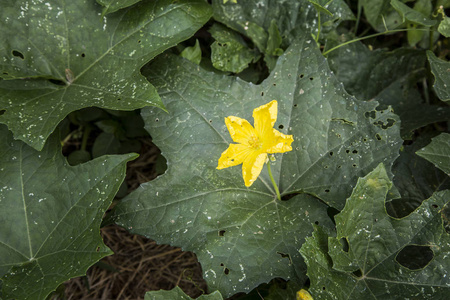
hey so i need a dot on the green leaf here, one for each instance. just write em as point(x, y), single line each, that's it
point(293, 18)
point(441, 72)
point(444, 27)
point(377, 262)
point(389, 78)
point(177, 294)
point(380, 14)
point(229, 52)
point(438, 152)
point(320, 7)
point(243, 236)
point(50, 215)
point(68, 58)
point(111, 6)
point(273, 46)
point(193, 53)
point(105, 143)
point(412, 15)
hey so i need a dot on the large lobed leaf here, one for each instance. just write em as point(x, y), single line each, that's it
point(50, 215)
point(244, 236)
point(61, 56)
point(373, 264)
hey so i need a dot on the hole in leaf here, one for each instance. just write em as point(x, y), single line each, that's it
point(345, 245)
point(118, 99)
point(355, 151)
point(295, 105)
point(280, 126)
point(389, 123)
point(347, 151)
point(434, 206)
point(415, 257)
point(311, 78)
point(226, 271)
point(285, 255)
point(364, 139)
point(323, 288)
point(83, 55)
point(301, 76)
point(274, 84)
point(331, 153)
point(210, 121)
point(316, 222)
point(18, 54)
point(331, 212)
point(5, 73)
point(139, 41)
point(222, 233)
point(370, 114)
point(378, 136)
point(57, 82)
point(339, 167)
point(357, 273)
point(326, 167)
point(156, 120)
point(327, 191)
point(354, 165)
point(262, 93)
point(98, 249)
point(221, 265)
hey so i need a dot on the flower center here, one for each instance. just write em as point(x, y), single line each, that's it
point(254, 142)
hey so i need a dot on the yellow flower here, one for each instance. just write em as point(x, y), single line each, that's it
point(304, 295)
point(253, 144)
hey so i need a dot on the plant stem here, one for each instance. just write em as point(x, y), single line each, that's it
point(368, 37)
point(273, 181)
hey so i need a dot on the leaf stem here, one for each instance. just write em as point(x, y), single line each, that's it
point(368, 37)
point(273, 181)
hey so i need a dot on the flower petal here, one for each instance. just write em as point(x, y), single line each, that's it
point(233, 156)
point(265, 117)
point(252, 167)
point(240, 130)
point(278, 142)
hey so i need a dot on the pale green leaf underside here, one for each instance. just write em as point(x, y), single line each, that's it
point(441, 72)
point(92, 61)
point(375, 239)
point(438, 152)
point(50, 215)
point(209, 211)
point(177, 294)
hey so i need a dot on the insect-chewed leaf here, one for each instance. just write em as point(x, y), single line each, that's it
point(50, 215)
point(59, 57)
point(243, 236)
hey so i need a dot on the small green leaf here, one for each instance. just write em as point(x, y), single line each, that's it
point(193, 53)
point(244, 236)
point(438, 152)
point(177, 294)
point(50, 215)
point(320, 7)
point(385, 258)
point(229, 52)
point(380, 14)
point(441, 72)
point(105, 143)
point(412, 15)
point(69, 58)
point(111, 6)
point(444, 27)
